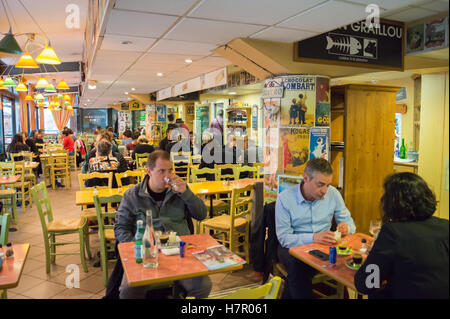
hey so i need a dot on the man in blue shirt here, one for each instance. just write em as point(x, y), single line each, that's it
point(303, 215)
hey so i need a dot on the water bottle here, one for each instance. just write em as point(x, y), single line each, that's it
point(150, 243)
point(138, 241)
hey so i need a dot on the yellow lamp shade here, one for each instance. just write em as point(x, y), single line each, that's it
point(39, 97)
point(66, 97)
point(48, 56)
point(21, 87)
point(28, 97)
point(26, 62)
point(62, 85)
point(41, 83)
point(4, 87)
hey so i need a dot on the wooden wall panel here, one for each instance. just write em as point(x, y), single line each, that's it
point(369, 149)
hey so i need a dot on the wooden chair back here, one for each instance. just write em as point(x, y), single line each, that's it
point(202, 171)
point(245, 169)
point(222, 167)
point(4, 231)
point(7, 168)
point(181, 161)
point(82, 178)
point(138, 176)
point(43, 205)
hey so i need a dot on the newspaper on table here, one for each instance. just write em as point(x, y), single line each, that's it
point(217, 257)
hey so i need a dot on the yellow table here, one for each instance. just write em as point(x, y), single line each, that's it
point(31, 165)
point(86, 197)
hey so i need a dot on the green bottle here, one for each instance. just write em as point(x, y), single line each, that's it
point(138, 241)
point(403, 149)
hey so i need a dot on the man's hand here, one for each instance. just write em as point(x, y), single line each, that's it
point(343, 229)
point(326, 238)
point(177, 184)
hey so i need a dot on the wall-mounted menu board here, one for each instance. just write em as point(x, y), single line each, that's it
point(356, 45)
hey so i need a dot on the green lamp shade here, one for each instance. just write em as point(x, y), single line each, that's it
point(50, 89)
point(9, 44)
point(9, 82)
point(60, 96)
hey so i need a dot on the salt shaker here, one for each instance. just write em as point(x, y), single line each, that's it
point(9, 250)
point(363, 248)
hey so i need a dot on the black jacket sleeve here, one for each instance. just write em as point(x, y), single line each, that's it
point(381, 256)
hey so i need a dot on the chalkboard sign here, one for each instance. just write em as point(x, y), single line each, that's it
point(356, 45)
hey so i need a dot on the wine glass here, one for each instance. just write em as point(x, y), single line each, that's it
point(374, 228)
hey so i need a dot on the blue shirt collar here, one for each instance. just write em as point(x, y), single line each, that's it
point(300, 197)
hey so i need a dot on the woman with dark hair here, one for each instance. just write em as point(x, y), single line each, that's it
point(68, 142)
point(17, 145)
point(409, 258)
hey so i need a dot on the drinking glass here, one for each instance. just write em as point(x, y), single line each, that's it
point(374, 227)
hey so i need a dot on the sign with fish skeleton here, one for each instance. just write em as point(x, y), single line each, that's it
point(357, 45)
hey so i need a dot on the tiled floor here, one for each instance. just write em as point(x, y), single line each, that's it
point(36, 283)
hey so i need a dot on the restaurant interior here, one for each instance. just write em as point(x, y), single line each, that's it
point(361, 84)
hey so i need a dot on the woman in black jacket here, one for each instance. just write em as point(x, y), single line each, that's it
point(409, 258)
point(17, 145)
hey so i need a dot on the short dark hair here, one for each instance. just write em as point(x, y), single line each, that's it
point(104, 148)
point(127, 133)
point(170, 117)
point(320, 165)
point(135, 135)
point(153, 157)
point(407, 197)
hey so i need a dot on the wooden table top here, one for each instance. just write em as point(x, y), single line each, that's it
point(339, 271)
point(54, 154)
point(31, 164)
point(170, 268)
point(9, 180)
point(13, 267)
point(86, 197)
point(220, 187)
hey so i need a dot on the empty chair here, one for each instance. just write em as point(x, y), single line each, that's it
point(249, 172)
point(8, 193)
point(51, 228)
point(106, 230)
point(233, 230)
point(22, 186)
point(4, 228)
point(59, 168)
point(181, 162)
point(226, 171)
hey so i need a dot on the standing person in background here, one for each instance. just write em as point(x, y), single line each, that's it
point(165, 141)
point(68, 143)
point(411, 249)
point(170, 119)
point(217, 124)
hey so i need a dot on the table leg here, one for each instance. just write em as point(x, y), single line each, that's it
point(211, 215)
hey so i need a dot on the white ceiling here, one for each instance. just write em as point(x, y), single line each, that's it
point(142, 38)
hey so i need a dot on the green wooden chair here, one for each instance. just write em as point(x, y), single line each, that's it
point(105, 231)
point(57, 227)
point(8, 195)
point(23, 185)
point(4, 231)
point(138, 176)
point(226, 167)
point(245, 169)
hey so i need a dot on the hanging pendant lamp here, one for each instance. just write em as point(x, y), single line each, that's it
point(9, 82)
point(9, 44)
point(50, 88)
point(62, 85)
point(42, 83)
point(26, 62)
point(48, 56)
point(21, 88)
point(28, 98)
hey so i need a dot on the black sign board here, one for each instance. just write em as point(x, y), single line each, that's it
point(357, 45)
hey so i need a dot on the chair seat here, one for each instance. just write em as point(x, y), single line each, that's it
point(7, 192)
point(65, 224)
point(224, 222)
point(19, 184)
point(91, 213)
point(109, 235)
point(216, 203)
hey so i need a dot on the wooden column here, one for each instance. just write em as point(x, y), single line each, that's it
point(23, 111)
point(32, 109)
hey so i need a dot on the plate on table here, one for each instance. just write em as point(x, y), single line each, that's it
point(349, 263)
point(346, 252)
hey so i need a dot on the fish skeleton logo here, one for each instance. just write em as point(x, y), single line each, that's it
point(344, 44)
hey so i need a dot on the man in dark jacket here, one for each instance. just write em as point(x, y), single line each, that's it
point(169, 203)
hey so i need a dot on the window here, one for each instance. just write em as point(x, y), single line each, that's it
point(49, 123)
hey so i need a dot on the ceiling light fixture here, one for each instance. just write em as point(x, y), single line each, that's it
point(132, 89)
point(26, 62)
point(62, 85)
point(232, 93)
point(188, 61)
point(126, 93)
point(159, 74)
point(41, 83)
point(9, 44)
point(9, 82)
point(48, 56)
point(21, 87)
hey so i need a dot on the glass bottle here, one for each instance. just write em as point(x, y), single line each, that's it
point(9, 251)
point(150, 243)
point(138, 241)
point(403, 149)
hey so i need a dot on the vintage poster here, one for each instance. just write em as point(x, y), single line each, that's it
point(124, 121)
point(319, 143)
point(161, 113)
point(299, 102)
point(286, 181)
point(322, 114)
point(295, 149)
point(271, 121)
point(155, 130)
point(415, 38)
point(436, 34)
